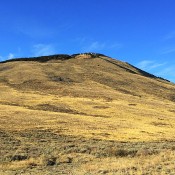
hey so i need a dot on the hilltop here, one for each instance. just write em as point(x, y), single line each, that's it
point(84, 113)
point(79, 73)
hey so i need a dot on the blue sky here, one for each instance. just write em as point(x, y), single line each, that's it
point(141, 32)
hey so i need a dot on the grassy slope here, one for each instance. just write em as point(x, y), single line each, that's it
point(86, 115)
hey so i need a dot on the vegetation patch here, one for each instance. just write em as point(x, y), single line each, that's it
point(159, 124)
point(49, 107)
point(101, 107)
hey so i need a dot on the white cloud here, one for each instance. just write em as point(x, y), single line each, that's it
point(43, 49)
point(144, 64)
point(164, 70)
point(10, 56)
point(149, 65)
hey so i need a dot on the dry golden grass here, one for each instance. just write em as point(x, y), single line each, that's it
point(86, 116)
point(156, 164)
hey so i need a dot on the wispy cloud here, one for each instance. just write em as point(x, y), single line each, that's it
point(115, 46)
point(33, 30)
point(96, 46)
point(168, 50)
point(168, 71)
point(9, 56)
point(1, 58)
point(156, 65)
point(144, 64)
point(43, 49)
point(164, 70)
point(149, 65)
point(87, 44)
point(169, 36)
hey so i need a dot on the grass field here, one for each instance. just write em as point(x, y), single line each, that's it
point(84, 116)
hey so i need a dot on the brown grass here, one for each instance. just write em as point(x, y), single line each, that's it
point(98, 118)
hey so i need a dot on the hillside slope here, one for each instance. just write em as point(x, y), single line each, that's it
point(84, 114)
point(83, 75)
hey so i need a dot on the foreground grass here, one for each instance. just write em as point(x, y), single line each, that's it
point(53, 134)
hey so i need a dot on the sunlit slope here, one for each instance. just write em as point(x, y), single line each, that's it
point(84, 76)
point(93, 97)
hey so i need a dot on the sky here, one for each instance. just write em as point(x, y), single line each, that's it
point(140, 32)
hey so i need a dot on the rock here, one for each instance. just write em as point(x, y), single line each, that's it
point(51, 161)
point(18, 157)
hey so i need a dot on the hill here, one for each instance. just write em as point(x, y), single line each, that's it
point(84, 113)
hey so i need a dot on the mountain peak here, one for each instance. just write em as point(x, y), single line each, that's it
point(82, 71)
point(57, 57)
